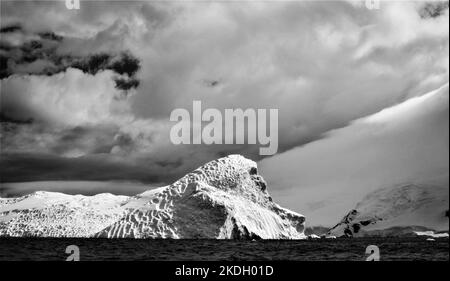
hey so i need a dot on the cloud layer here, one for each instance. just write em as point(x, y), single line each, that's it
point(408, 143)
point(322, 64)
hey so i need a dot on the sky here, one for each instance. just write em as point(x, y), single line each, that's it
point(86, 94)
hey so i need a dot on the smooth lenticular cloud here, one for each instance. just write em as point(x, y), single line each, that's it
point(321, 64)
point(408, 143)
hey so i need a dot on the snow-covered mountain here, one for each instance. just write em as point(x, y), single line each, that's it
point(225, 198)
point(399, 210)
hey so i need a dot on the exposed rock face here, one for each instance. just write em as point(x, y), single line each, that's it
point(397, 211)
point(225, 198)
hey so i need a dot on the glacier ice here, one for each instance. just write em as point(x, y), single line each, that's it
point(402, 209)
point(224, 199)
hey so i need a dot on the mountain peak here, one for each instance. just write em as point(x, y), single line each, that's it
point(225, 198)
point(233, 173)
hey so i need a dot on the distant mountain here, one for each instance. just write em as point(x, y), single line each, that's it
point(316, 230)
point(397, 211)
point(224, 199)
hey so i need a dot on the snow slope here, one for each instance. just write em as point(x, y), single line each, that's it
point(431, 233)
point(396, 211)
point(225, 198)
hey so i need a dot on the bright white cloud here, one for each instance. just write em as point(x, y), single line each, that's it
point(71, 98)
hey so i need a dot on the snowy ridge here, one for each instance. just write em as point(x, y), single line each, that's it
point(396, 211)
point(431, 233)
point(224, 199)
point(51, 214)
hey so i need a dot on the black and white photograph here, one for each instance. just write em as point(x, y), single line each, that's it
point(243, 131)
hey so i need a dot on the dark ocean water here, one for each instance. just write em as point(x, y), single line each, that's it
point(224, 250)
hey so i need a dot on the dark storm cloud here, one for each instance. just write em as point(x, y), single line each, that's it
point(51, 36)
point(39, 56)
point(5, 119)
point(19, 167)
point(11, 28)
point(126, 84)
point(433, 9)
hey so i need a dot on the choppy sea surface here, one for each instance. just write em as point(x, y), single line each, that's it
point(392, 249)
